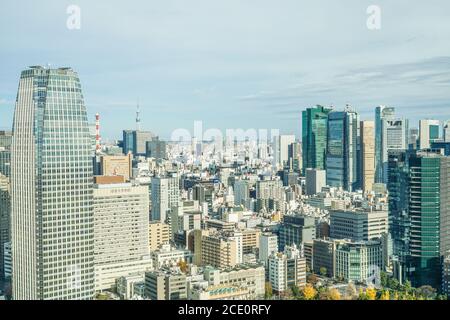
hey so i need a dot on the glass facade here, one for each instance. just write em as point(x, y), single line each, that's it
point(343, 162)
point(424, 210)
point(51, 173)
point(314, 137)
point(128, 141)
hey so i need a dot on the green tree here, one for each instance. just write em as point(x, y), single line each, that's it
point(428, 292)
point(295, 291)
point(393, 284)
point(407, 286)
point(362, 295)
point(384, 279)
point(323, 271)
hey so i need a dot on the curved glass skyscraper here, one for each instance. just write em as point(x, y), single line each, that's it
point(52, 187)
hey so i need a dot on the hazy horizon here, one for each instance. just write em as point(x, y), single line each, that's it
point(233, 64)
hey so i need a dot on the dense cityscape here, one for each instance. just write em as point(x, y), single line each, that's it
point(354, 209)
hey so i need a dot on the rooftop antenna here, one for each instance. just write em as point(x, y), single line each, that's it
point(138, 118)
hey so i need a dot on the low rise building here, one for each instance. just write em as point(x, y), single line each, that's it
point(287, 270)
point(165, 285)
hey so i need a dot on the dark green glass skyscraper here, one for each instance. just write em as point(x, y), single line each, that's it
point(428, 203)
point(399, 219)
point(314, 137)
point(419, 215)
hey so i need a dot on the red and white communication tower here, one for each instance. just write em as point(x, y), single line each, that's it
point(97, 134)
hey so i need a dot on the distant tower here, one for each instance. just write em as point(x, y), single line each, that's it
point(97, 134)
point(138, 119)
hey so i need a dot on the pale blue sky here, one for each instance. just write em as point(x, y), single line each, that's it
point(233, 63)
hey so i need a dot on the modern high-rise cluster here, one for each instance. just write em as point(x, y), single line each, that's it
point(353, 205)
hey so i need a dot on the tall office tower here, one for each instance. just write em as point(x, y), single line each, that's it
point(5, 218)
point(5, 153)
point(157, 149)
point(429, 131)
point(52, 222)
point(165, 194)
point(399, 220)
point(314, 137)
point(367, 155)
point(420, 215)
point(446, 133)
point(295, 156)
point(429, 209)
point(382, 114)
point(241, 192)
point(343, 159)
point(128, 141)
point(396, 134)
point(5, 194)
point(392, 134)
point(140, 142)
point(282, 143)
point(121, 231)
point(413, 138)
point(315, 181)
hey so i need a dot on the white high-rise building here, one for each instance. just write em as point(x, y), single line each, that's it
point(282, 143)
point(390, 134)
point(51, 189)
point(382, 114)
point(268, 245)
point(287, 269)
point(165, 194)
point(121, 232)
point(237, 237)
point(429, 131)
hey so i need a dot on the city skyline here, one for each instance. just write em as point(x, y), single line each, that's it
point(177, 59)
point(228, 150)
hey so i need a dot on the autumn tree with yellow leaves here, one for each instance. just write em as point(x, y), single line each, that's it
point(308, 292)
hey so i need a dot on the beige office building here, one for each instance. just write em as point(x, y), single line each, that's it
point(250, 240)
point(367, 154)
point(117, 166)
point(248, 276)
point(165, 285)
point(218, 251)
point(159, 234)
point(121, 237)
